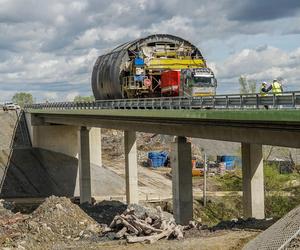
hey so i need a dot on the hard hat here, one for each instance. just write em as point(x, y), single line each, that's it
point(264, 83)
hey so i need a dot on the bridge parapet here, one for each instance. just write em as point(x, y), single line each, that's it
point(234, 101)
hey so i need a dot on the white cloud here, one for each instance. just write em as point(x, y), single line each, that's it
point(262, 64)
point(70, 97)
point(51, 46)
point(50, 96)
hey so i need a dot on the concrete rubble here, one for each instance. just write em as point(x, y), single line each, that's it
point(146, 227)
point(58, 221)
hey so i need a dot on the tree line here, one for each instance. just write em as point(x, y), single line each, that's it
point(23, 98)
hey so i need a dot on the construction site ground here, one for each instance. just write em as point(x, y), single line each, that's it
point(59, 224)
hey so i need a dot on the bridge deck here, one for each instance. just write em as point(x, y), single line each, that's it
point(277, 116)
point(268, 127)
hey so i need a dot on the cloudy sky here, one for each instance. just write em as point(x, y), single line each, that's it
point(48, 47)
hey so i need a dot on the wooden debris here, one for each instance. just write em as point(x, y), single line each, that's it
point(121, 233)
point(145, 229)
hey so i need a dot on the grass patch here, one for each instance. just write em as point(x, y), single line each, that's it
point(276, 205)
point(274, 181)
point(230, 181)
point(218, 209)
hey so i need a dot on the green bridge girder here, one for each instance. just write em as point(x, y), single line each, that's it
point(280, 115)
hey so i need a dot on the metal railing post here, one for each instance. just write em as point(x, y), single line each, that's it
point(227, 102)
point(274, 101)
point(241, 101)
point(294, 100)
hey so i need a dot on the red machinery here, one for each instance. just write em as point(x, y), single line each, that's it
point(170, 83)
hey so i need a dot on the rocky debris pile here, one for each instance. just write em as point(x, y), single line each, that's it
point(57, 219)
point(240, 223)
point(136, 226)
point(62, 217)
point(141, 210)
point(9, 222)
point(112, 142)
point(148, 142)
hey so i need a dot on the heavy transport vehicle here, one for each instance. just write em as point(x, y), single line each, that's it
point(154, 66)
point(188, 82)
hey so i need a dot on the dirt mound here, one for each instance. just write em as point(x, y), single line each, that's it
point(55, 220)
point(63, 217)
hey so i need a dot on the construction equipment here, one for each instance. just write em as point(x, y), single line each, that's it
point(154, 66)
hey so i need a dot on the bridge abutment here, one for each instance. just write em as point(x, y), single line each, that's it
point(73, 141)
point(131, 165)
point(253, 181)
point(181, 163)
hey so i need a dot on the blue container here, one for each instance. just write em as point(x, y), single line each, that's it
point(139, 78)
point(139, 61)
point(157, 159)
point(230, 160)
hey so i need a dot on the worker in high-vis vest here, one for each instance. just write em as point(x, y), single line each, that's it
point(277, 87)
point(264, 89)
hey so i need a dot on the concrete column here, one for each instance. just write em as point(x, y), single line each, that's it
point(95, 146)
point(181, 163)
point(84, 165)
point(132, 194)
point(253, 181)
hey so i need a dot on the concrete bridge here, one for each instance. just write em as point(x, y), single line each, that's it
point(76, 132)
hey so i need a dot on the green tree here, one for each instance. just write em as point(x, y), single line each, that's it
point(84, 98)
point(22, 98)
point(247, 86)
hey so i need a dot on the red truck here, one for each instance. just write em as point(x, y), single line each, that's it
point(188, 82)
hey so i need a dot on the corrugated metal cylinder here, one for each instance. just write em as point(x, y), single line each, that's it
point(107, 71)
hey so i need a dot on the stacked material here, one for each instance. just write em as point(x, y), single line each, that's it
point(146, 228)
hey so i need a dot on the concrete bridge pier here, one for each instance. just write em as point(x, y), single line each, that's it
point(131, 175)
point(181, 163)
point(84, 165)
point(253, 181)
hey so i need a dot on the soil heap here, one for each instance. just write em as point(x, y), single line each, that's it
point(56, 220)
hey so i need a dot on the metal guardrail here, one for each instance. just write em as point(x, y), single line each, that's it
point(233, 101)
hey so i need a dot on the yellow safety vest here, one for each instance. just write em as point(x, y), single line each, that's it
point(262, 93)
point(276, 88)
